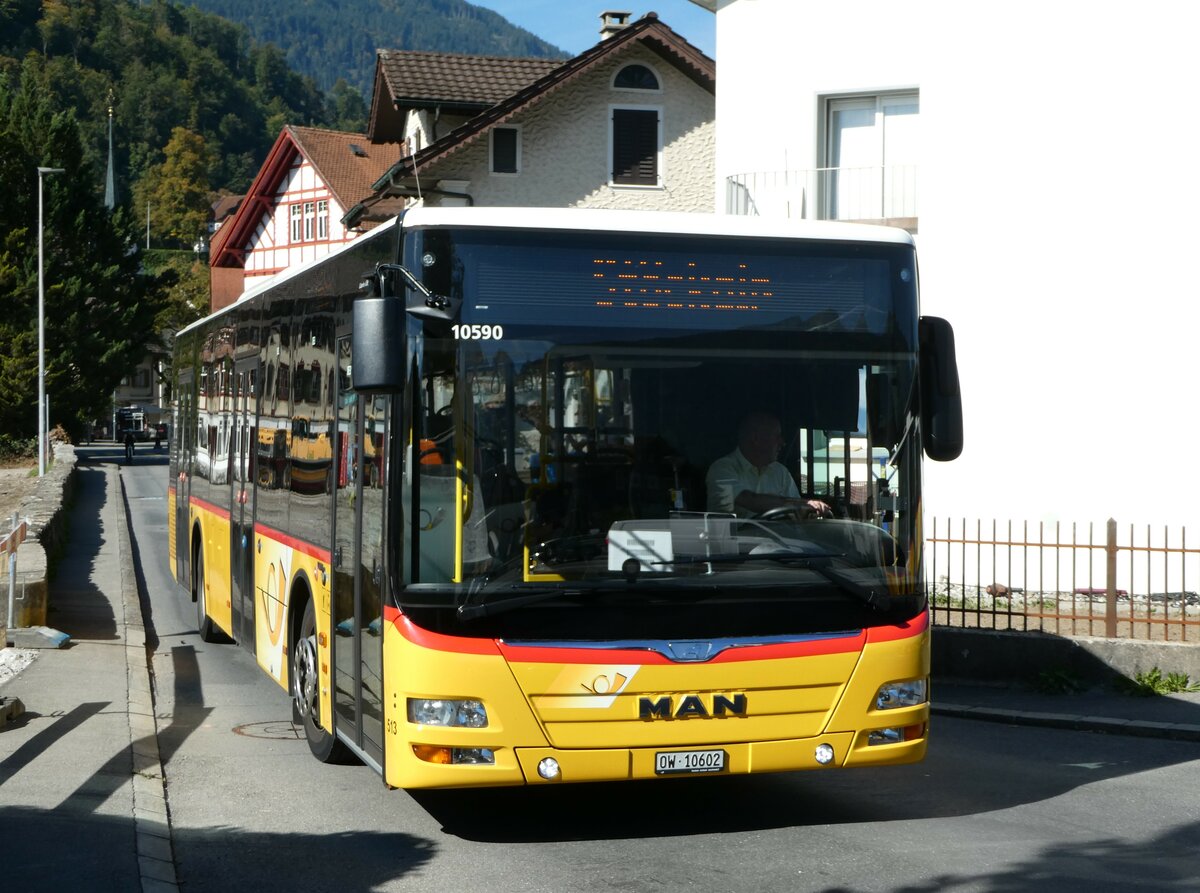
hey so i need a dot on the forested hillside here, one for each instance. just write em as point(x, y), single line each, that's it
point(196, 105)
point(162, 66)
point(331, 39)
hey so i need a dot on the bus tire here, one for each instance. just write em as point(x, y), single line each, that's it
point(306, 692)
point(204, 626)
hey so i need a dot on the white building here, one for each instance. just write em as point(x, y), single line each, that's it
point(1045, 156)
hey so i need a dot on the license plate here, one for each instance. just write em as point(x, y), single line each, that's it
point(680, 762)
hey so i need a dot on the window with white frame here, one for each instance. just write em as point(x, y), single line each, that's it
point(635, 145)
point(310, 219)
point(505, 150)
point(323, 219)
point(636, 77)
point(871, 155)
point(297, 223)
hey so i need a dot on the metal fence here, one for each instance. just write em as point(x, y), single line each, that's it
point(878, 192)
point(1068, 579)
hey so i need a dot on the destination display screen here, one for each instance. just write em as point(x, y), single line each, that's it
point(612, 279)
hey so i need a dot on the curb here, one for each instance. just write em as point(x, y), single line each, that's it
point(1175, 731)
point(151, 816)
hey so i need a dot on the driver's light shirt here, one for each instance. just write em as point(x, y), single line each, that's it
point(732, 474)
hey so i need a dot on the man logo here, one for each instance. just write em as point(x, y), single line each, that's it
point(689, 706)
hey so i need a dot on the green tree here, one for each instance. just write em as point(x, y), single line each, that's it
point(177, 191)
point(347, 109)
point(99, 307)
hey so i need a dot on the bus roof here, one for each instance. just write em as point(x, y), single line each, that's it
point(596, 220)
point(664, 222)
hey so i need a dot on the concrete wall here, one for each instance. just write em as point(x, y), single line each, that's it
point(1022, 657)
point(47, 510)
point(1057, 200)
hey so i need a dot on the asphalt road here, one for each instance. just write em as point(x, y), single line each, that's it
point(993, 808)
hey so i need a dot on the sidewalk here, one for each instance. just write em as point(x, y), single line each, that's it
point(81, 790)
point(1174, 716)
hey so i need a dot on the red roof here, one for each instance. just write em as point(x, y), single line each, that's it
point(346, 162)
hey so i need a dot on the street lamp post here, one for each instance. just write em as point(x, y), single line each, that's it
point(42, 329)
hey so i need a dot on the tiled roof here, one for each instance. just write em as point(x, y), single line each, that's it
point(225, 206)
point(417, 79)
point(347, 162)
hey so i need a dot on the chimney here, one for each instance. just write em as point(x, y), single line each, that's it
point(611, 22)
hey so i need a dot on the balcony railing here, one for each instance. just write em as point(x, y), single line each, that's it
point(880, 193)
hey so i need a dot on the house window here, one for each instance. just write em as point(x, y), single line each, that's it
point(310, 218)
point(297, 222)
point(636, 77)
point(323, 219)
point(871, 153)
point(506, 150)
point(636, 146)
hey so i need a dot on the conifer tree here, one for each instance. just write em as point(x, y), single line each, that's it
point(99, 306)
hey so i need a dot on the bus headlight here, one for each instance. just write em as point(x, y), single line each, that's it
point(901, 694)
point(465, 714)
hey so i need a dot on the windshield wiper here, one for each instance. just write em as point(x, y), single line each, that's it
point(741, 557)
point(469, 612)
point(817, 562)
point(530, 597)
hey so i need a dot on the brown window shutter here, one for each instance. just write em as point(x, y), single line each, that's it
point(504, 150)
point(635, 147)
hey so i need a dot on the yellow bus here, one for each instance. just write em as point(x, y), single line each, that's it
point(530, 563)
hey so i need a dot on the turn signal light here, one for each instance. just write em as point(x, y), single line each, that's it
point(456, 756)
point(431, 754)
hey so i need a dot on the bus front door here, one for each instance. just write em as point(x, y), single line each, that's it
point(358, 563)
point(241, 503)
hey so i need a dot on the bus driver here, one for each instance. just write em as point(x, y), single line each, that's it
point(751, 480)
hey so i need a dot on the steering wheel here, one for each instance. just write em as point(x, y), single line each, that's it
point(792, 512)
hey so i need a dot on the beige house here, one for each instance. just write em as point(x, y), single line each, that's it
point(626, 124)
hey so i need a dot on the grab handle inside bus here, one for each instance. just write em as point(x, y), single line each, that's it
point(941, 399)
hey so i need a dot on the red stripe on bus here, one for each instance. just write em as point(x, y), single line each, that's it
point(907, 629)
point(291, 542)
point(437, 641)
point(209, 507)
point(279, 536)
point(851, 642)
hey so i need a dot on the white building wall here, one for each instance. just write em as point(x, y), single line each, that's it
point(1057, 220)
point(271, 249)
point(565, 145)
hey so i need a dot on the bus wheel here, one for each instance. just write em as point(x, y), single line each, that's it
point(204, 625)
point(306, 693)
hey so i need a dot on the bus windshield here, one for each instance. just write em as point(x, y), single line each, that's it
point(561, 479)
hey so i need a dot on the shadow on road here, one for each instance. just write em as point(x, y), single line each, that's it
point(1022, 766)
point(38, 842)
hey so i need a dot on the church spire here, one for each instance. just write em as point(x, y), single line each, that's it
point(110, 183)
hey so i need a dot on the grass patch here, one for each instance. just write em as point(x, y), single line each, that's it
point(1058, 682)
point(1153, 682)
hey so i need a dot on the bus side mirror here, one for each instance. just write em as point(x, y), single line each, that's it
point(941, 400)
point(378, 344)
